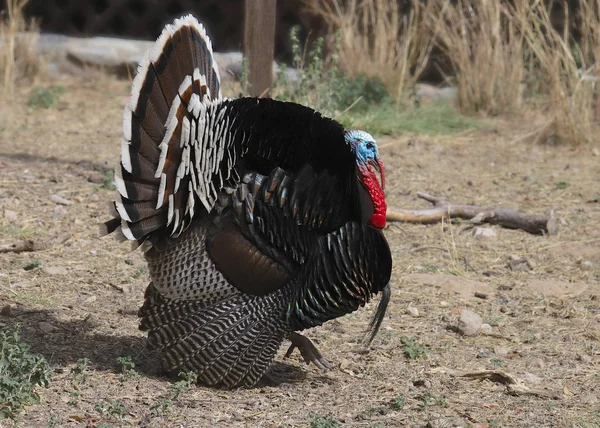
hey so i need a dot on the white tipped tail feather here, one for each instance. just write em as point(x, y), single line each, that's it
point(169, 155)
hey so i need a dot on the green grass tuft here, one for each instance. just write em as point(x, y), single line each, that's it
point(389, 119)
point(15, 231)
point(20, 372)
point(45, 97)
point(398, 403)
point(108, 179)
point(412, 348)
point(319, 421)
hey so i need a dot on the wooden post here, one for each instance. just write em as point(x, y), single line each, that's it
point(259, 44)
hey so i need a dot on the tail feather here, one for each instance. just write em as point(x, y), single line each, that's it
point(232, 342)
point(263, 358)
point(178, 69)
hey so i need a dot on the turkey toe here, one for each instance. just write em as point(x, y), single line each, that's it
point(309, 352)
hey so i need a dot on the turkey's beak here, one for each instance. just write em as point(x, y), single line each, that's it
point(376, 165)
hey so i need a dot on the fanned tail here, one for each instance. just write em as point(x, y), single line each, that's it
point(179, 70)
point(231, 342)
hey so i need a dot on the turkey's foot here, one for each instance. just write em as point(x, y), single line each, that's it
point(308, 350)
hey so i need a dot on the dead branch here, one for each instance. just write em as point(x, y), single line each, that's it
point(21, 247)
point(514, 385)
point(535, 224)
point(29, 245)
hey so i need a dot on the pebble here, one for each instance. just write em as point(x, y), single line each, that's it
point(11, 216)
point(86, 299)
point(484, 233)
point(6, 311)
point(55, 270)
point(500, 351)
point(58, 211)
point(537, 363)
point(441, 422)
point(444, 304)
point(46, 327)
point(530, 378)
point(586, 265)
point(486, 328)
point(517, 263)
point(469, 323)
point(60, 200)
point(422, 383)
point(412, 311)
point(344, 364)
point(485, 353)
point(95, 177)
point(585, 358)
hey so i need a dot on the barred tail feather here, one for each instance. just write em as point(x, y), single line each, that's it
point(179, 68)
point(231, 342)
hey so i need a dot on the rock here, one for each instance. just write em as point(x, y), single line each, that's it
point(469, 323)
point(585, 359)
point(530, 378)
point(86, 299)
point(6, 311)
point(58, 211)
point(60, 200)
point(128, 288)
point(441, 422)
point(11, 216)
point(486, 328)
point(46, 327)
point(55, 270)
point(536, 363)
point(424, 383)
point(60, 239)
point(517, 263)
point(344, 364)
point(595, 151)
point(95, 177)
point(500, 351)
point(412, 311)
point(484, 233)
point(485, 353)
point(586, 265)
point(444, 304)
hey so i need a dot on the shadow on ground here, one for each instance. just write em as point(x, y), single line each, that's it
point(69, 341)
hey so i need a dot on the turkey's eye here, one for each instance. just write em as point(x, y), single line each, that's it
point(370, 146)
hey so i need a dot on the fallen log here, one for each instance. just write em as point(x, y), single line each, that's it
point(443, 209)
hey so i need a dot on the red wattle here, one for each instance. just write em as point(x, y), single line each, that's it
point(378, 198)
point(377, 220)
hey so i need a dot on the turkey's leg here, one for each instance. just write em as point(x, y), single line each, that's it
point(308, 350)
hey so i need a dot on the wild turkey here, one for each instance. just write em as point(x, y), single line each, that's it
point(258, 218)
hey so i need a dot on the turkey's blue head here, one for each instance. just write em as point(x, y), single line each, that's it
point(370, 174)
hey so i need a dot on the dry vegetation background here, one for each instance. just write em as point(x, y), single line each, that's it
point(522, 135)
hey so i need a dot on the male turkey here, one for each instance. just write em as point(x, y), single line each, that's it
point(258, 218)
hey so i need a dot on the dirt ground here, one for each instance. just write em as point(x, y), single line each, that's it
point(79, 297)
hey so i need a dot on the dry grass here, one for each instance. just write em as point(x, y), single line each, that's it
point(485, 51)
point(378, 39)
point(92, 307)
point(565, 69)
point(503, 54)
point(19, 56)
